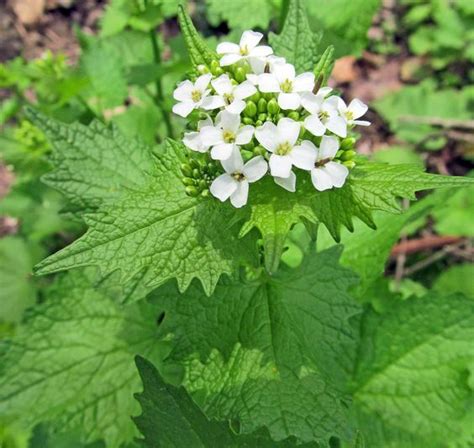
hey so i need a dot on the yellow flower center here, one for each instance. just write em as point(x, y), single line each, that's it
point(286, 86)
point(238, 176)
point(244, 51)
point(283, 149)
point(228, 97)
point(196, 95)
point(349, 115)
point(229, 137)
point(323, 115)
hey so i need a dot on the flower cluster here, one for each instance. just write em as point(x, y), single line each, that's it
point(252, 114)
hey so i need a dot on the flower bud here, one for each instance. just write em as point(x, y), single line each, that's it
point(268, 96)
point(196, 173)
point(247, 120)
point(202, 184)
point(250, 109)
point(187, 181)
point(259, 150)
point(258, 123)
point(249, 146)
point(214, 65)
point(202, 69)
point(239, 74)
point(280, 116)
point(348, 155)
point(294, 115)
point(262, 117)
point(246, 155)
point(255, 97)
point(205, 193)
point(272, 107)
point(191, 191)
point(349, 163)
point(262, 105)
point(218, 71)
point(194, 164)
point(302, 131)
point(186, 170)
point(347, 143)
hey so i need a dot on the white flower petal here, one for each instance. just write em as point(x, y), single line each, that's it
point(212, 102)
point(328, 147)
point(288, 183)
point(183, 109)
point(289, 101)
point(222, 151)
point(223, 186)
point(206, 122)
point(244, 90)
point(314, 125)
point(324, 91)
point(236, 107)
point(253, 79)
point(234, 163)
point(202, 82)
point(311, 102)
point(321, 180)
point(211, 136)
point(244, 135)
point(257, 64)
point(228, 121)
point(361, 123)
point(338, 126)
point(267, 136)
point(280, 166)
point(183, 91)
point(193, 141)
point(337, 172)
point(261, 51)
point(229, 59)
point(255, 169)
point(304, 156)
point(267, 82)
point(358, 108)
point(222, 85)
point(239, 197)
point(228, 47)
point(288, 130)
point(284, 72)
point(304, 82)
point(250, 39)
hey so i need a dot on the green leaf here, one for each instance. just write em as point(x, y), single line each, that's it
point(170, 418)
point(273, 352)
point(144, 223)
point(241, 14)
point(199, 52)
point(73, 359)
point(297, 42)
point(17, 290)
point(412, 374)
point(456, 279)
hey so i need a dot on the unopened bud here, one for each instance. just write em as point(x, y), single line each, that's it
point(349, 163)
point(202, 69)
point(186, 170)
point(249, 146)
point(191, 191)
point(255, 97)
point(347, 143)
point(302, 131)
point(268, 96)
point(273, 107)
point(187, 181)
point(262, 105)
point(258, 123)
point(193, 163)
point(214, 65)
point(348, 155)
point(202, 184)
point(240, 74)
point(259, 150)
point(246, 155)
point(294, 115)
point(247, 120)
point(205, 193)
point(262, 117)
point(218, 71)
point(250, 109)
point(196, 173)
point(280, 116)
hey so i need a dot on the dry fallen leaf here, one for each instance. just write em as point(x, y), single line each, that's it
point(344, 70)
point(28, 11)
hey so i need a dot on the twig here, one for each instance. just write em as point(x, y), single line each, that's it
point(420, 244)
point(440, 122)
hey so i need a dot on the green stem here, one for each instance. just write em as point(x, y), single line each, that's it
point(159, 99)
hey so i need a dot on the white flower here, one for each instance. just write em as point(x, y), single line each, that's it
point(283, 80)
point(235, 182)
point(258, 66)
point(326, 173)
point(232, 95)
point(193, 96)
point(280, 140)
point(193, 140)
point(226, 135)
point(288, 183)
point(324, 115)
point(247, 48)
point(352, 112)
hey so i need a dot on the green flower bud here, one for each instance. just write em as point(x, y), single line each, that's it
point(249, 146)
point(294, 115)
point(202, 184)
point(258, 123)
point(255, 97)
point(339, 154)
point(202, 69)
point(193, 163)
point(262, 117)
point(214, 66)
point(280, 116)
point(247, 120)
point(240, 74)
point(250, 109)
point(196, 173)
point(347, 143)
point(205, 193)
point(187, 181)
point(349, 163)
point(218, 71)
point(268, 96)
point(262, 105)
point(302, 131)
point(191, 191)
point(246, 155)
point(273, 107)
point(259, 150)
point(186, 170)
point(348, 155)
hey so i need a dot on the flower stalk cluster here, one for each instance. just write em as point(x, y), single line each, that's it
point(250, 115)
